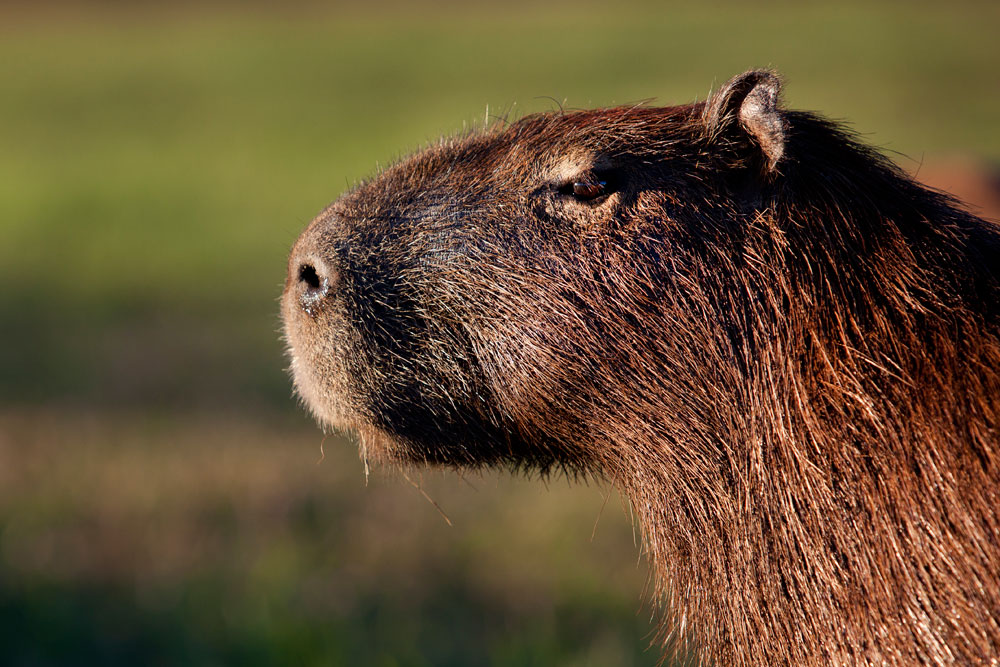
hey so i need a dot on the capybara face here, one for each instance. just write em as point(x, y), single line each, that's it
point(447, 306)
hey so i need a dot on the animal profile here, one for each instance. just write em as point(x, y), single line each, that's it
point(783, 350)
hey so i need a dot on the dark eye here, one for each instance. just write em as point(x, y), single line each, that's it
point(587, 188)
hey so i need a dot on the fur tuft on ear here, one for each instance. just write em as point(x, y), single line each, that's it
point(750, 102)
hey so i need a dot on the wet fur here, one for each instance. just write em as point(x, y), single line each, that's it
point(782, 349)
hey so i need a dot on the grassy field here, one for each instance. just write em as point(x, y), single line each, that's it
point(213, 541)
point(160, 500)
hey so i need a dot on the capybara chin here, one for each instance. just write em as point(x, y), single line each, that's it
point(783, 350)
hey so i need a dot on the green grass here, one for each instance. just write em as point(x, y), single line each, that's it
point(155, 166)
point(198, 541)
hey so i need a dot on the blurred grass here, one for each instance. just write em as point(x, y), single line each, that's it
point(159, 502)
point(212, 541)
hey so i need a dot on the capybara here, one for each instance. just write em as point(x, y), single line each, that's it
point(783, 350)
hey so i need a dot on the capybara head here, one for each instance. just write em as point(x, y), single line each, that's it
point(463, 306)
point(784, 351)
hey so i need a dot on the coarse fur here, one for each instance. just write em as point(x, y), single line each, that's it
point(783, 350)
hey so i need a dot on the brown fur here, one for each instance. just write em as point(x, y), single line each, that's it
point(782, 349)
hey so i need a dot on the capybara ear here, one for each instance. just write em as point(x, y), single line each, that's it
point(747, 106)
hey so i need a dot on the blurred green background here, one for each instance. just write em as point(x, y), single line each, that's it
point(160, 496)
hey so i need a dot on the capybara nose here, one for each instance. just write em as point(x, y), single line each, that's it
point(314, 279)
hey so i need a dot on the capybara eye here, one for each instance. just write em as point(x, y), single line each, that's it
point(585, 189)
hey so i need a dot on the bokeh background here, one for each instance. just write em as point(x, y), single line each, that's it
point(163, 500)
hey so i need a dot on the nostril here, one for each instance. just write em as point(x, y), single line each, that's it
point(308, 275)
point(314, 285)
